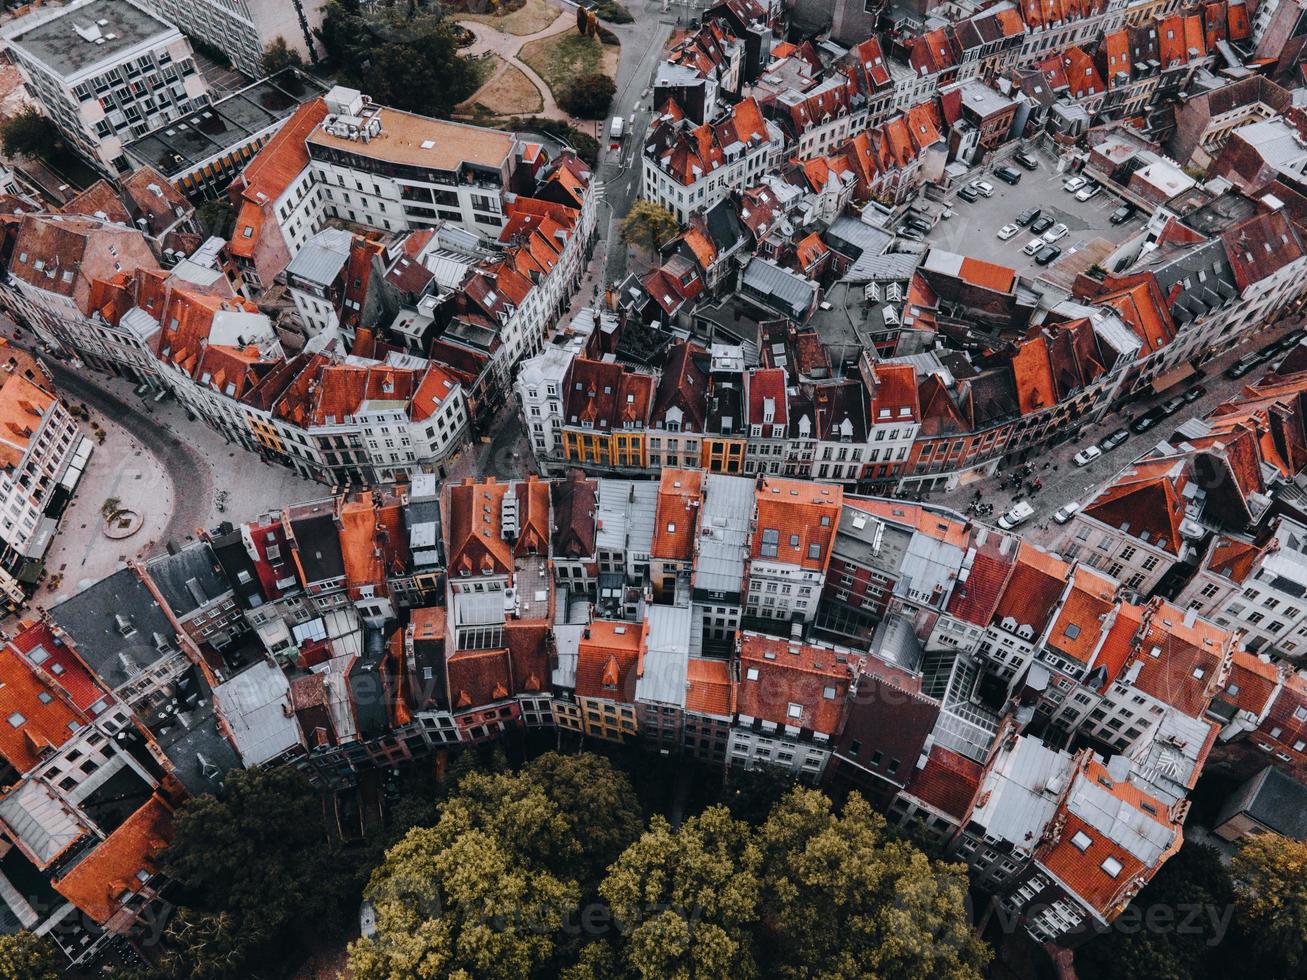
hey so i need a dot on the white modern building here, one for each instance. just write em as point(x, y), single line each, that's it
point(243, 29)
point(106, 72)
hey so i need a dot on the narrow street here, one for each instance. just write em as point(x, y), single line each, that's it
point(1063, 481)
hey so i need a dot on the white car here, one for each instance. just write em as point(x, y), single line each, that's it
point(1066, 512)
point(1089, 191)
point(1019, 514)
point(1058, 231)
point(1074, 184)
point(946, 213)
point(1032, 246)
point(1087, 455)
point(983, 187)
point(1007, 231)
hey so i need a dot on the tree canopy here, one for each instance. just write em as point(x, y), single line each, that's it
point(1270, 881)
point(28, 134)
point(261, 876)
point(590, 96)
point(648, 225)
point(278, 56)
point(404, 55)
point(27, 956)
point(845, 900)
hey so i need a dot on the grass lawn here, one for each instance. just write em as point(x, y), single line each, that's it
point(564, 57)
point(532, 16)
point(505, 92)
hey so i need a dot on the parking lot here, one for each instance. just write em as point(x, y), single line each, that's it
point(973, 229)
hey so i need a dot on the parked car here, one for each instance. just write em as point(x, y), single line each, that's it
point(1008, 175)
point(1007, 231)
point(1242, 366)
point(1026, 160)
point(1146, 421)
point(1283, 344)
point(969, 194)
point(910, 233)
point(1087, 455)
point(1047, 254)
point(1194, 393)
point(1027, 216)
point(983, 187)
point(1056, 233)
point(1113, 439)
point(1033, 246)
point(1074, 183)
point(1041, 224)
point(1088, 192)
point(1172, 405)
point(1017, 516)
point(921, 224)
point(1066, 512)
point(1122, 214)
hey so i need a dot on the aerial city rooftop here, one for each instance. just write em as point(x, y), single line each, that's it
point(946, 442)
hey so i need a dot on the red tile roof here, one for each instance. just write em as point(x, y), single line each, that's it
point(778, 676)
point(1180, 663)
point(610, 657)
point(478, 678)
point(676, 514)
point(57, 660)
point(708, 687)
point(1033, 588)
point(474, 530)
point(29, 724)
point(948, 782)
point(804, 514)
point(102, 881)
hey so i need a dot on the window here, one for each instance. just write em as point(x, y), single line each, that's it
point(1111, 866)
point(814, 551)
point(1082, 841)
point(16, 719)
point(751, 674)
point(794, 711)
point(771, 539)
point(828, 693)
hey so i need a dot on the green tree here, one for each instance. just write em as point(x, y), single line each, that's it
point(457, 901)
point(404, 55)
point(844, 900)
point(27, 956)
point(590, 96)
point(1194, 878)
point(28, 134)
point(687, 900)
point(648, 225)
point(278, 57)
point(262, 877)
point(598, 803)
point(1270, 880)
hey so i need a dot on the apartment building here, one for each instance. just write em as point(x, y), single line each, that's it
point(107, 72)
point(243, 29)
point(789, 549)
point(396, 171)
point(42, 456)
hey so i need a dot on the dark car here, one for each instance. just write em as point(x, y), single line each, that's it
point(1041, 224)
point(1172, 405)
point(1242, 366)
point(1147, 420)
point(1122, 214)
point(968, 195)
point(1008, 175)
point(1026, 160)
point(1047, 254)
point(912, 221)
point(1027, 216)
point(1194, 393)
point(1114, 439)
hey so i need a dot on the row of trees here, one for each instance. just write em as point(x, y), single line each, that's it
point(551, 871)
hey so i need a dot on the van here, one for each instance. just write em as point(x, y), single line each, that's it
point(616, 128)
point(1066, 512)
point(1017, 516)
